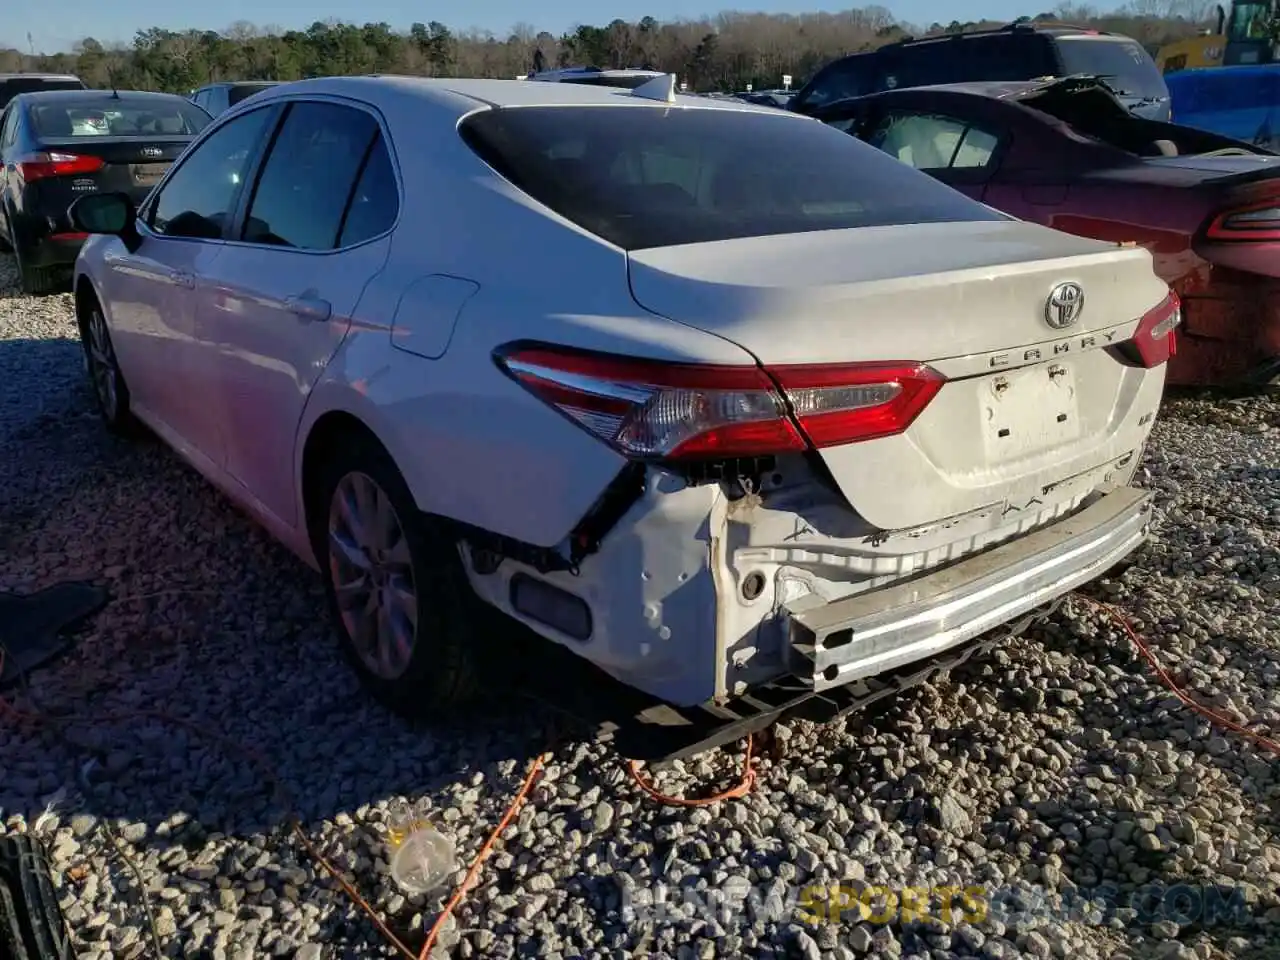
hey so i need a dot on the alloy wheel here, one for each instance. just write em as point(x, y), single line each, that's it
point(371, 570)
point(102, 364)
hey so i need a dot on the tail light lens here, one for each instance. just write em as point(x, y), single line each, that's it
point(651, 410)
point(41, 166)
point(1258, 221)
point(1155, 338)
point(843, 403)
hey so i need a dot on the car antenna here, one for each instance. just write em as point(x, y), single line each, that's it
point(111, 79)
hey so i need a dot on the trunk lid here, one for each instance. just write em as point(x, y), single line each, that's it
point(1026, 405)
point(131, 165)
point(1192, 170)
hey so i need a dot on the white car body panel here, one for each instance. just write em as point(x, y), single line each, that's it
point(238, 384)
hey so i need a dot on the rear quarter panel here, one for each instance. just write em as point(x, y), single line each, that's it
point(472, 444)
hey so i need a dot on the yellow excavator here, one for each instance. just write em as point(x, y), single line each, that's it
point(1243, 37)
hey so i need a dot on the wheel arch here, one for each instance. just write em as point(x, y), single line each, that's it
point(324, 436)
point(84, 293)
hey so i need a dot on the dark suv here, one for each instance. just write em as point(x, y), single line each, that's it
point(12, 84)
point(217, 97)
point(1021, 51)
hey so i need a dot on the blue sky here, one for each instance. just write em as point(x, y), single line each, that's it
point(58, 27)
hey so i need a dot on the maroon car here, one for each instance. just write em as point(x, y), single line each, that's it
point(1067, 154)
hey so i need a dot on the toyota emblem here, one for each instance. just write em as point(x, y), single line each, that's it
point(1064, 306)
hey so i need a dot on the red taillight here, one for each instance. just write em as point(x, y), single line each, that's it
point(842, 403)
point(1257, 221)
point(40, 166)
point(1155, 338)
point(663, 411)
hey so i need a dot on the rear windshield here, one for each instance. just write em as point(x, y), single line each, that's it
point(643, 177)
point(1126, 66)
point(236, 94)
point(102, 117)
point(13, 86)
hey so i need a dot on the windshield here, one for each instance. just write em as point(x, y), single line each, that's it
point(655, 177)
point(104, 117)
point(1127, 68)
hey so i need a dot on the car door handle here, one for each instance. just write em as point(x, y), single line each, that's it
point(309, 308)
point(183, 279)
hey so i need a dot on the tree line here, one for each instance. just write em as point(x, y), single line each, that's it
point(725, 52)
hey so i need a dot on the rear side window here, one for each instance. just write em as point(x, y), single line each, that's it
point(931, 142)
point(103, 117)
point(375, 202)
point(963, 59)
point(308, 176)
point(1126, 66)
point(646, 177)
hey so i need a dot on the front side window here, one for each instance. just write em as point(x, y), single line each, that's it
point(652, 177)
point(931, 142)
point(309, 175)
point(200, 196)
point(102, 117)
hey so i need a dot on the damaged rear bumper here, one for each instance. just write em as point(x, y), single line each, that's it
point(836, 643)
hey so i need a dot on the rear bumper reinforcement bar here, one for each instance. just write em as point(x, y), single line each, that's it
point(834, 644)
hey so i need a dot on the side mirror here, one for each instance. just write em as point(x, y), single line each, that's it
point(108, 213)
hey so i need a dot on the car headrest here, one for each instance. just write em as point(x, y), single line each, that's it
point(172, 123)
point(55, 122)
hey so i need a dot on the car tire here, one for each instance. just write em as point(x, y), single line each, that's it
point(5, 245)
point(416, 656)
point(110, 392)
point(33, 281)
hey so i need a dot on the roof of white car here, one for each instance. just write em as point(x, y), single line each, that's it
point(496, 93)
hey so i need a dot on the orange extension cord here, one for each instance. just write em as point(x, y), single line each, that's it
point(741, 789)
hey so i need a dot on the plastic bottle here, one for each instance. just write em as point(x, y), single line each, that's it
point(421, 857)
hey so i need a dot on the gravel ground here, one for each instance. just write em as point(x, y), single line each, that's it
point(1058, 762)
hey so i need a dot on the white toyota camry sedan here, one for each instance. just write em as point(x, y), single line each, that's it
point(712, 394)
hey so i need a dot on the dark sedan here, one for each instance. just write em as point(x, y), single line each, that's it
point(56, 146)
point(1067, 154)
